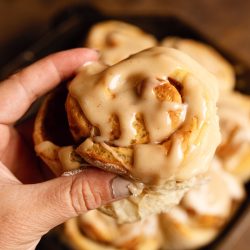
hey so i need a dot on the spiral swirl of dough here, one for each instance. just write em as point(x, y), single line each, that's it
point(151, 117)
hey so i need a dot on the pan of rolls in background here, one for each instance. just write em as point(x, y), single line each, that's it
point(205, 209)
point(208, 210)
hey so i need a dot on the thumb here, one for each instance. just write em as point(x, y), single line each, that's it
point(62, 198)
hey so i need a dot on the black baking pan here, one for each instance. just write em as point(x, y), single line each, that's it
point(69, 28)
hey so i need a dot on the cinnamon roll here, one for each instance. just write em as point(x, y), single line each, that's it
point(203, 211)
point(151, 118)
point(234, 150)
point(208, 57)
point(117, 40)
point(52, 138)
point(97, 231)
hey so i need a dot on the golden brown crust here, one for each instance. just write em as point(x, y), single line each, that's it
point(48, 152)
point(45, 149)
point(51, 131)
point(78, 123)
point(206, 220)
point(100, 156)
point(39, 134)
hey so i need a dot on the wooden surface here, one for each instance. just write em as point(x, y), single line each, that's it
point(227, 22)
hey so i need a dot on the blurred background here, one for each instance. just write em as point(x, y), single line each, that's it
point(225, 22)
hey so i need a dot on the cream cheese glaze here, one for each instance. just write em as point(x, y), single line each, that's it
point(128, 88)
point(214, 197)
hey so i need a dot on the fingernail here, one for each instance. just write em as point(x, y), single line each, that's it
point(120, 187)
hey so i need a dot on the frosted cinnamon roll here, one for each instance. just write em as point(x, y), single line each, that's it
point(234, 150)
point(203, 212)
point(151, 118)
point(117, 40)
point(208, 57)
point(97, 231)
point(153, 126)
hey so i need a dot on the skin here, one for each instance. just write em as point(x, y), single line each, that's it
point(29, 205)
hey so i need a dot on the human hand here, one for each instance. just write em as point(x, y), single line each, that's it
point(29, 209)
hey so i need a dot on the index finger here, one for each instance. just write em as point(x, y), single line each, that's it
point(19, 91)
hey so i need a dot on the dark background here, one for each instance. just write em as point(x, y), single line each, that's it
point(227, 22)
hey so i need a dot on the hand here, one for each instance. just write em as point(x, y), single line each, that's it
point(29, 209)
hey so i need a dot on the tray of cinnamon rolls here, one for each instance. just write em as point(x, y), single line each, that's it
point(163, 107)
